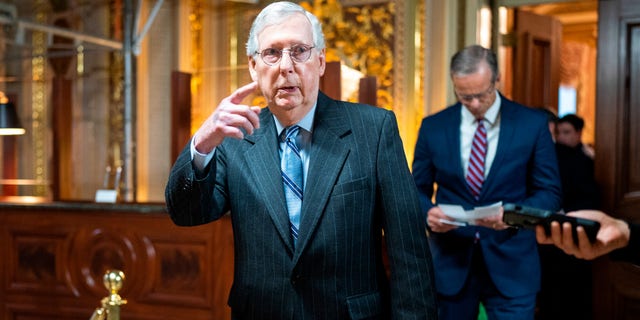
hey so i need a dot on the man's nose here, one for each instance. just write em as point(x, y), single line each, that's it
point(474, 102)
point(286, 62)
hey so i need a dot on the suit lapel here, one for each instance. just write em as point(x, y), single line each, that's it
point(505, 138)
point(327, 157)
point(266, 174)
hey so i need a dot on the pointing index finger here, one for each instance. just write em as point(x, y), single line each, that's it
point(242, 92)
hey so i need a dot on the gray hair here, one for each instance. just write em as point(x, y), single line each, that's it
point(276, 13)
point(467, 60)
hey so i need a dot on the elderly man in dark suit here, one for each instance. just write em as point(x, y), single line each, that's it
point(310, 184)
point(480, 151)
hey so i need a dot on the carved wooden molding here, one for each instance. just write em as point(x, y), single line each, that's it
point(54, 263)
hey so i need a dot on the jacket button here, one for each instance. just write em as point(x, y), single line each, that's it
point(295, 279)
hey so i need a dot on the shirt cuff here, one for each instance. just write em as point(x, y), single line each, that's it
point(200, 160)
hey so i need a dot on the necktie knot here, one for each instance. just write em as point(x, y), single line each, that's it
point(290, 134)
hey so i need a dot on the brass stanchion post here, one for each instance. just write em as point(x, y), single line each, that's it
point(110, 310)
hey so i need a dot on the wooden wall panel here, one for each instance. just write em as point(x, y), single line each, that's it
point(331, 80)
point(63, 184)
point(54, 258)
point(617, 169)
point(180, 112)
point(632, 185)
point(368, 91)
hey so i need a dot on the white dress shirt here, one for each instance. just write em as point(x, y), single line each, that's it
point(468, 127)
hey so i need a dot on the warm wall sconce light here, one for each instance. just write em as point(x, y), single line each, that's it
point(9, 122)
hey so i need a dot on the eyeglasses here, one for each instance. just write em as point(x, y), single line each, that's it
point(480, 96)
point(298, 53)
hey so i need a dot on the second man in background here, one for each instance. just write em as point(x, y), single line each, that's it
point(483, 150)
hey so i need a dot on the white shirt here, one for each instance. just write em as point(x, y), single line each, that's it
point(468, 127)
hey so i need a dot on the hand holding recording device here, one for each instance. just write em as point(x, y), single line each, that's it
point(527, 217)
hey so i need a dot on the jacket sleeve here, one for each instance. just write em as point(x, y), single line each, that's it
point(423, 170)
point(630, 253)
point(412, 282)
point(192, 198)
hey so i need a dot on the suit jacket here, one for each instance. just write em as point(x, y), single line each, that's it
point(630, 253)
point(579, 186)
point(524, 171)
point(358, 184)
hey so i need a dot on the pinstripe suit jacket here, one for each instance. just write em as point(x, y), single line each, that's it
point(358, 184)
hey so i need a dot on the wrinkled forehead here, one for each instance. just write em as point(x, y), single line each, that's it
point(294, 28)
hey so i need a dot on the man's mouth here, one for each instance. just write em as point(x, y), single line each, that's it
point(287, 89)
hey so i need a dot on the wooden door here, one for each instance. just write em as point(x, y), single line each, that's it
point(330, 81)
point(616, 285)
point(180, 112)
point(536, 77)
point(331, 85)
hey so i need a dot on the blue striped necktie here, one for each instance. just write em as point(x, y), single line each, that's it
point(475, 174)
point(292, 178)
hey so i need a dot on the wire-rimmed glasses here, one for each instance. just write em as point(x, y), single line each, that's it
point(480, 96)
point(298, 53)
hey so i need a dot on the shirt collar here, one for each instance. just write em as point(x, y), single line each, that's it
point(306, 123)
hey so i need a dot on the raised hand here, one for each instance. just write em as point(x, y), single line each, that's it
point(228, 120)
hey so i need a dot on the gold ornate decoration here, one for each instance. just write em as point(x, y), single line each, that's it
point(385, 39)
point(195, 26)
point(38, 99)
point(421, 23)
point(361, 37)
point(418, 110)
point(116, 78)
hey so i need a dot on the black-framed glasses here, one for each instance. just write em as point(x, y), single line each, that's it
point(480, 96)
point(299, 53)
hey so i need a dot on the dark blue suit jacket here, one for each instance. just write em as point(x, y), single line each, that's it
point(524, 171)
point(358, 184)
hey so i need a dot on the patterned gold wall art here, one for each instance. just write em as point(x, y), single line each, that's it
point(115, 136)
point(38, 99)
point(361, 36)
point(383, 38)
point(196, 11)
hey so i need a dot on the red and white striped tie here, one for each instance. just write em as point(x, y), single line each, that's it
point(475, 174)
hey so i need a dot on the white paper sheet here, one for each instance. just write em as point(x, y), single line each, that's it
point(458, 213)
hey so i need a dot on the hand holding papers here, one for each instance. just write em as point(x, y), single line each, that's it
point(468, 217)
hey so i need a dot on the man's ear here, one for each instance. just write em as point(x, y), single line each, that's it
point(252, 69)
point(323, 61)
